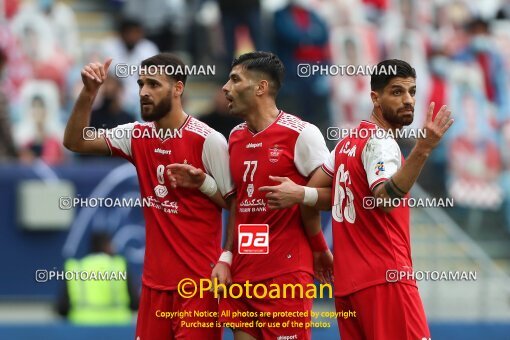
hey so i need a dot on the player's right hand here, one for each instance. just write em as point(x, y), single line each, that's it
point(185, 176)
point(284, 195)
point(221, 272)
point(436, 127)
point(93, 75)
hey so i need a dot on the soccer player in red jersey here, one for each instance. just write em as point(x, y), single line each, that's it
point(269, 246)
point(183, 226)
point(371, 236)
point(271, 144)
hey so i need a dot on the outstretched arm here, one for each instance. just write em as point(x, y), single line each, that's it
point(93, 76)
point(404, 178)
point(316, 194)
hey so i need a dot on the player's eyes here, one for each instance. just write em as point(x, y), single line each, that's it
point(396, 93)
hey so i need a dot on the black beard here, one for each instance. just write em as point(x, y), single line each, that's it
point(393, 118)
point(159, 111)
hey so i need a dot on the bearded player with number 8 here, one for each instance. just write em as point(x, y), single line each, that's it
point(178, 220)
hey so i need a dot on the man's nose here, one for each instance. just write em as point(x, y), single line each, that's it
point(408, 99)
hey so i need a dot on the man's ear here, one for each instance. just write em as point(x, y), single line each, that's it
point(179, 88)
point(375, 98)
point(262, 87)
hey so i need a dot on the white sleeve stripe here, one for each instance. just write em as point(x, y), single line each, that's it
point(109, 144)
point(118, 151)
point(122, 143)
point(328, 171)
point(231, 192)
point(380, 180)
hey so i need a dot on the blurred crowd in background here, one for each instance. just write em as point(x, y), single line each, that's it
point(460, 50)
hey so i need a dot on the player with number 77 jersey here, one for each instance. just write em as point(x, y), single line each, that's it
point(265, 245)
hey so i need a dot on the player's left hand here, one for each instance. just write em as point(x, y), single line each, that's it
point(284, 195)
point(323, 266)
point(185, 176)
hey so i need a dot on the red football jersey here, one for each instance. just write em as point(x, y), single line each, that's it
point(183, 226)
point(289, 147)
point(367, 242)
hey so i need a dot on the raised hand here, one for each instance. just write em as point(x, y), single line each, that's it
point(93, 75)
point(185, 176)
point(436, 127)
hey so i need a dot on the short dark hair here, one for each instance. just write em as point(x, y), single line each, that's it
point(128, 23)
point(476, 24)
point(379, 80)
point(99, 242)
point(168, 59)
point(263, 62)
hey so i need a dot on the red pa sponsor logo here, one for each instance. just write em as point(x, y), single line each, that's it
point(253, 239)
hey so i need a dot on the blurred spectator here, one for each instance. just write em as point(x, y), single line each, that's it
point(410, 46)
point(16, 69)
point(375, 9)
point(474, 159)
point(219, 118)
point(39, 43)
point(482, 50)
point(448, 23)
point(504, 11)
point(205, 34)
point(10, 7)
point(98, 302)
point(63, 24)
point(91, 53)
point(301, 37)
point(438, 69)
point(130, 47)
point(7, 149)
point(348, 106)
point(439, 93)
point(505, 132)
point(164, 21)
point(237, 17)
point(42, 144)
point(110, 113)
point(342, 13)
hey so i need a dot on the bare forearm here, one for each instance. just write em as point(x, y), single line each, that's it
point(407, 175)
point(311, 220)
point(79, 119)
point(229, 240)
point(403, 180)
point(323, 183)
point(324, 199)
point(217, 199)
